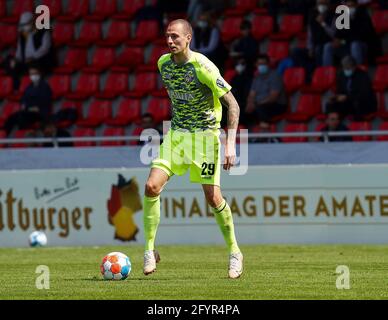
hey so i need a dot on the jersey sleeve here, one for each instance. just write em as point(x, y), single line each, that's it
point(162, 60)
point(210, 75)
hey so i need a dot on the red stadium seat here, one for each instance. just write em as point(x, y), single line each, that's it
point(75, 10)
point(20, 134)
point(70, 104)
point(295, 127)
point(294, 78)
point(90, 33)
point(380, 79)
point(102, 10)
point(127, 60)
point(230, 29)
point(60, 85)
point(18, 7)
point(16, 96)
point(55, 7)
point(102, 59)
point(262, 26)
point(9, 36)
point(63, 33)
point(87, 86)
point(3, 135)
point(119, 31)
point(160, 108)
point(241, 7)
point(3, 8)
point(229, 74)
point(115, 85)
point(290, 26)
point(383, 127)
point(277, 50)
point(136, 132)
point(6, 86)
point(129, 9)
point(113, 132)
point(380, 21)
point(146, 31)
point(308, 106)
point(360, 126)
point(84, 132)
point(75, 59)
point(156, 52)
point(145, 83)
point(99, 110)
point(129, 111)
point(8, 108)
point(323, 79)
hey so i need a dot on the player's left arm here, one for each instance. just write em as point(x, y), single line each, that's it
point(229, 101)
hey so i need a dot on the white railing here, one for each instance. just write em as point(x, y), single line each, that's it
point(325, 135)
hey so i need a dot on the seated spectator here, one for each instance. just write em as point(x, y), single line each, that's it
point(354, 92)
point(267, 97)
point(241, 84)
point(246, 46)
point(147, 122)
point(334, 123)
point(36, 103)
point(264, 127)
point(320, 30)
point(207, 40)
point(353, 41)
point(34, 47)
point(50, 130)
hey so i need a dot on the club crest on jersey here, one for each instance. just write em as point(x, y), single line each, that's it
point(189, 76)
point(220, 83)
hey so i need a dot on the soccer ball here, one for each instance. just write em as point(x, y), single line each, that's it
point(37, 239)
point(115, 266)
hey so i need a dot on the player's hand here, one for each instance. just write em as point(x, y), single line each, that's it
point(230, 156)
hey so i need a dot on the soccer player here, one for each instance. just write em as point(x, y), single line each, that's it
point(196, 90)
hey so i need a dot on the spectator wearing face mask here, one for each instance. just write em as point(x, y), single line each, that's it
point(36, 103)
point(320, 30)
point(246, 46)
point(241, 83)
point(207, 40)
point(333, 124)
point(354, 92)
point(34, 47)
point(357, 40)
point(267, 97)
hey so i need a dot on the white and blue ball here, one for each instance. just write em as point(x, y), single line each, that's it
point(37, 239)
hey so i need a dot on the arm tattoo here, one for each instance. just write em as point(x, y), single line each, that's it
point(229, 101)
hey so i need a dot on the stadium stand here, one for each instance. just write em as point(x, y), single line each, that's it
point(107, 52)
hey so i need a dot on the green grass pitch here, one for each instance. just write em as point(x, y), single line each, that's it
point(200, 272)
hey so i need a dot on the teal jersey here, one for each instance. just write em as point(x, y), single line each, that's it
point(194, 89)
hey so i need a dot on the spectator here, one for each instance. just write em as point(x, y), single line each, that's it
point(354, 92)
point(353, 41)
point(246, 46)
point(264, 127)
point(36, 103)
point(241, 84)
point(267, 97)
point(34, 47)
point(51, 131)
point(207, 40)
point(147, 122)
point(334, 123)
point(321, 30)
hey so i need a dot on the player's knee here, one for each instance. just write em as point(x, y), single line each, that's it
point(152, 189)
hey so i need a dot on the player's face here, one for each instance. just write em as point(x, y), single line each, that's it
point(177, 39)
